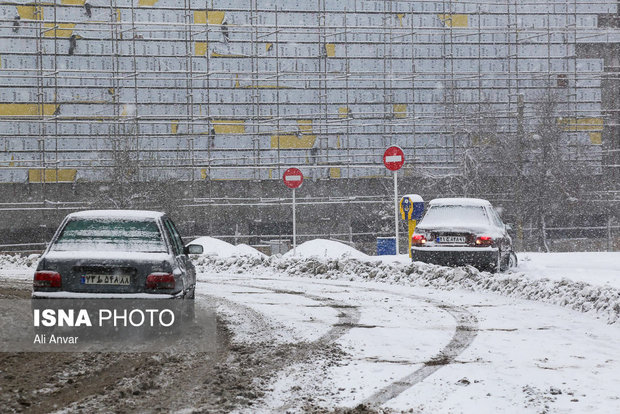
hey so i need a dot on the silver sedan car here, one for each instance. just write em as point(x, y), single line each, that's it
point(463, 231)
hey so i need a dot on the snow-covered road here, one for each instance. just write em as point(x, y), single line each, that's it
point(311, 334)
point(422, 349)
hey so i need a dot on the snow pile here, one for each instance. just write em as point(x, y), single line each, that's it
point(602, 301)
point(237, 264)
point(8, 261)
point(246, 250)
point(328, 249)
point(217, 247)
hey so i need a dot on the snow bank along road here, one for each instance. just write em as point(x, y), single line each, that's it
point(318, 335)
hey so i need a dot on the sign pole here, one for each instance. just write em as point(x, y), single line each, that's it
point(393, 159)
point(396, 208)
point(293, 178)
point(294, 226)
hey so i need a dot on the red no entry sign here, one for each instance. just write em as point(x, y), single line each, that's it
point(293, 178)
point(394, 158)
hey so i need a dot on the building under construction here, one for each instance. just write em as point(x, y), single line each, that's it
point(202, 91)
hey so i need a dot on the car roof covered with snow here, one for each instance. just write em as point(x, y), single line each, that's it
point(117, 214)
point(477, 202)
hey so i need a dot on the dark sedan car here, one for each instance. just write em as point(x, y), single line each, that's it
point(116, 254)
point(460, 231)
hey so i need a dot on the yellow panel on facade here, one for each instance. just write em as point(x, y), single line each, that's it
point(229, 126)
point(343, 112)
point(200, 48)
point(23, 109)
point(596, 138)
point(203, 173)
point(400, 16)
point(12, 162)
point(330, 49)
point(454, 20)
point(147, 3)
point(400, 110)
point(304, 125)
point(39, 175)
point(74, 2)
point(212, 16)
point(268, 47)
point(334, 172)
point(174, 127)
point(292, 141)
point(305, 138)
point(215, 54)
point(581, 124)
point(59, 30)
point(30, 12)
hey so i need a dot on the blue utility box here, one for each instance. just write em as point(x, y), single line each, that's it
point(386, 246)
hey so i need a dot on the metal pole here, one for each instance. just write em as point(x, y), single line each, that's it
point(609, 242)
point(396, 208)
point(294, 227)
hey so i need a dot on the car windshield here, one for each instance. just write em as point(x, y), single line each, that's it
point(111, 235)
point(455, 215)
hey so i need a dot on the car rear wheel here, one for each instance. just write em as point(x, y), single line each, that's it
point(512, 260)
point(509, 261)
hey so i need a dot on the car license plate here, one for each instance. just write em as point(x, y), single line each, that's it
point(106, 280)
point(451, 239)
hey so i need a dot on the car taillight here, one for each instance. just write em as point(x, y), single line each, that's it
point(418, 240)
point(484, 241)
point(47, 278)
point(160, 281)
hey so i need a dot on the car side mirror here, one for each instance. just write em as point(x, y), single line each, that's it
point(194, 249)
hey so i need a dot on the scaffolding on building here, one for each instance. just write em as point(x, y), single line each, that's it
point(216, 90)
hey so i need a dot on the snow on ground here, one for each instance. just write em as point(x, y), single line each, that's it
point(596, 268)
point(593, 268)
point(385, 313)
point(246, 250)
point(17, 267)
point(217, 247)
point(326, 249)
point(526, 357)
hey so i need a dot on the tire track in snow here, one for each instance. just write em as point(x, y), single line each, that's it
point(465, 332)
point(347, 316)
